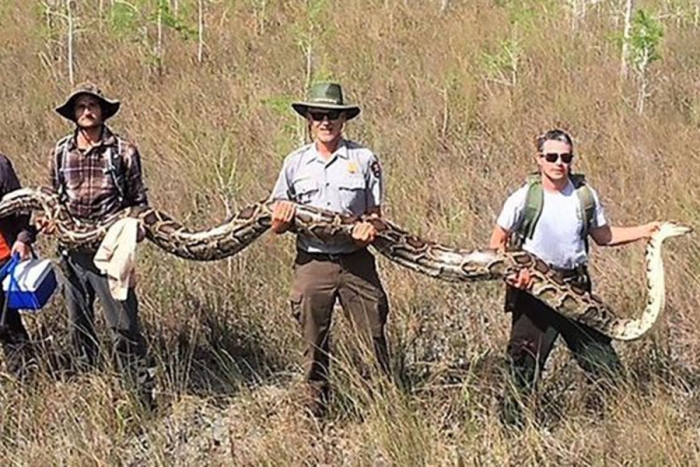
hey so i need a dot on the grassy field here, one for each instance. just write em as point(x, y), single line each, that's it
point(451, 102)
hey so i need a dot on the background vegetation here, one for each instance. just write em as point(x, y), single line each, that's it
point(453, 93)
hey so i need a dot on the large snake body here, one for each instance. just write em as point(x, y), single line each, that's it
point(430, 258)
point(457, 265)
point(219, 242)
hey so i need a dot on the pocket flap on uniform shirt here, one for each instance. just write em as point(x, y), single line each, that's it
point(352, 183)
point(304, 186)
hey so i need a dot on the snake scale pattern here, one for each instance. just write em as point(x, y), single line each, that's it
point(426, 257)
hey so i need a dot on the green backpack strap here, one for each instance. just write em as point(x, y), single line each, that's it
point(534, 201)
point(586, 202)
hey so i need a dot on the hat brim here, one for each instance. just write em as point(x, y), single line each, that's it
point(302, 108)
point(109, 107)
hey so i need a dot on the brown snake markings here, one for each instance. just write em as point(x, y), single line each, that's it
point(430, 258)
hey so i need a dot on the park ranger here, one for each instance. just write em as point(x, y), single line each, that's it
point(335, 174)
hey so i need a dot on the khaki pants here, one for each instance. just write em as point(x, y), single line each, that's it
point(352, 279)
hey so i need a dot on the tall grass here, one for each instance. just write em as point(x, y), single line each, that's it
point(451, 102)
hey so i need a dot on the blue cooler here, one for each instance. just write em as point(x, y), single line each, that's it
point(29, 284)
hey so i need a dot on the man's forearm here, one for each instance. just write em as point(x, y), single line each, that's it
point(499, 238)
point(623, 235)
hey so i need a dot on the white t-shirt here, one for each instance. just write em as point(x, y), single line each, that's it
point(557, 236)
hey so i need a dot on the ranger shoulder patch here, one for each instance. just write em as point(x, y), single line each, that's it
point(376, 168)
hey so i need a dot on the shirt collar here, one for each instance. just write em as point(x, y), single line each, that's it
point(108, 139)
point(341, 152)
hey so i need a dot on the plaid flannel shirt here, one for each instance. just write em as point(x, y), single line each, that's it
point(90, 191)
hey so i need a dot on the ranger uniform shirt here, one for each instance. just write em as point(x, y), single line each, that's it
point(557, 237)
point(349, 182)
point(89, 187)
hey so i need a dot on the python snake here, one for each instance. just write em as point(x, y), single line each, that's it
point(427, 257)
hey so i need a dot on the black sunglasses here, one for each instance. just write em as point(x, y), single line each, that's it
point(552, 157)
point(330, 115)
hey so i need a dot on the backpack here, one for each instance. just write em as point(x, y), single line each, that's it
point(115, 167)
point(534, 202)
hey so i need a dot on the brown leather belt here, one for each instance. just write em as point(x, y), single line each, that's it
point(304, 257)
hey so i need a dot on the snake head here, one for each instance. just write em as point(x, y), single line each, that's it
point(672, 229)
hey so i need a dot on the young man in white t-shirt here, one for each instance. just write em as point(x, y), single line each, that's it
point(559, 238)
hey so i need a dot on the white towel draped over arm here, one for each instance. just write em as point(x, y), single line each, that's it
point(116, 256)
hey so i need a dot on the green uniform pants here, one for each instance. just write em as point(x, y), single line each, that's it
point(352, 279)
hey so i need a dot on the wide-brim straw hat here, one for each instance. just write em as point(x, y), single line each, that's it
point(109, 106)
point(326, 96)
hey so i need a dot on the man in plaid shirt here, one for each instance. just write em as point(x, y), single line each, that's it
point(97, 174)
point(91, 191)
